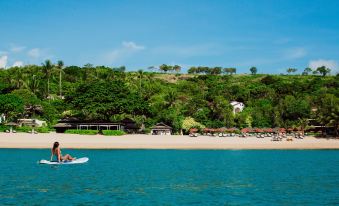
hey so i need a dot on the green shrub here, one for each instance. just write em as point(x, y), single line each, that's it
point(113, 132)
point(23, 129)
point(42, 129)
point(83, 132)
point(147, 130)
point(3, 128)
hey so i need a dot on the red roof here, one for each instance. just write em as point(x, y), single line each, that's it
point(282, 130)
point(270, 130)
point(259, 130)
point(245, 130)
point(192, 130)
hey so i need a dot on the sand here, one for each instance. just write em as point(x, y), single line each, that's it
point(73, 141)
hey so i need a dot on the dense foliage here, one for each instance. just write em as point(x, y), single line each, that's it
point(113, 132)
point(199, 99)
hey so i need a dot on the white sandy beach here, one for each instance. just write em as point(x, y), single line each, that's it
point(23, 140)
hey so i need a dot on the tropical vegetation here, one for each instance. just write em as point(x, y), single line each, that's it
point(200, 98)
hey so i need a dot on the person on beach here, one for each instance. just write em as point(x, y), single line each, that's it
point(57, 152)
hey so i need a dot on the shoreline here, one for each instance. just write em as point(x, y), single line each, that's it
point(140, 141)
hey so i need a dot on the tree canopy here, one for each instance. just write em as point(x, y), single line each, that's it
point(201, 97)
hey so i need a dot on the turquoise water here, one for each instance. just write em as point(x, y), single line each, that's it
point(172, 177)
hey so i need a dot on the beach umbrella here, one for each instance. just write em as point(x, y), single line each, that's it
point(206, 130)
point(245, 130)
point(258, 130)
point(268, 130)
point(193, 130)
point(290, 129)
point(220, 130)
point(230, 130)
point(282, 130)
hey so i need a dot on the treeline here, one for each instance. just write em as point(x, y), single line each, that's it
point(98, 93)
point(211, 70)
point(166, 68)
point(322, 70)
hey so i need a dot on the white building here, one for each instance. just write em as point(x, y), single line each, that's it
point(2, 118)
point(31, 122)
point(161, 129)
point(237, 106)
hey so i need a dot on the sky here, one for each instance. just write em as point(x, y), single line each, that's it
point(272, 35)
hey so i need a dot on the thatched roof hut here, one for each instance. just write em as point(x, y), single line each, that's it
point(161, 129)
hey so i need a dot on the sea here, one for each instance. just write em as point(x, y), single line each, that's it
point(172, 177)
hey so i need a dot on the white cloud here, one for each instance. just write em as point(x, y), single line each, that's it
point(17, 49)
point(332, 64)
point(126, 49)
point(3, 61)
point(34, 53)
point(18, 64)
point(295, 53)
point(132, 46)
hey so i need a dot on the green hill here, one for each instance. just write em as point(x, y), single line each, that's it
point(111, 94)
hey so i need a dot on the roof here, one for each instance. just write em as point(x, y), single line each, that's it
point(161, 126)
point(11, 124)
point(233, 103)
point(127, 120)
point(62, 125)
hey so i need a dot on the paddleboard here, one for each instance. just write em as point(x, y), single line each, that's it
point(76, 161)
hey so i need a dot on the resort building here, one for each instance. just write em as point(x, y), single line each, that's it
point(126, 125)
point(237, 106)
point(2, 118)
point(161, 129)
point(130, 126)
point(31, 122)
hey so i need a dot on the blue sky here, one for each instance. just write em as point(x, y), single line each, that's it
point(272, 35)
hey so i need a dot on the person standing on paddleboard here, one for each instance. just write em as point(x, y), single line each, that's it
point(57, 152)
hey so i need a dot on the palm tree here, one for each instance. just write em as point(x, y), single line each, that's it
point(19, 78)
point(141, 75)
point(60, 66)
point(302, 123)
point(47, 69)
point(170, 97)
point(33, 85)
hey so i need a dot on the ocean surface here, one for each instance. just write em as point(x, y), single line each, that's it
point(172, 177)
